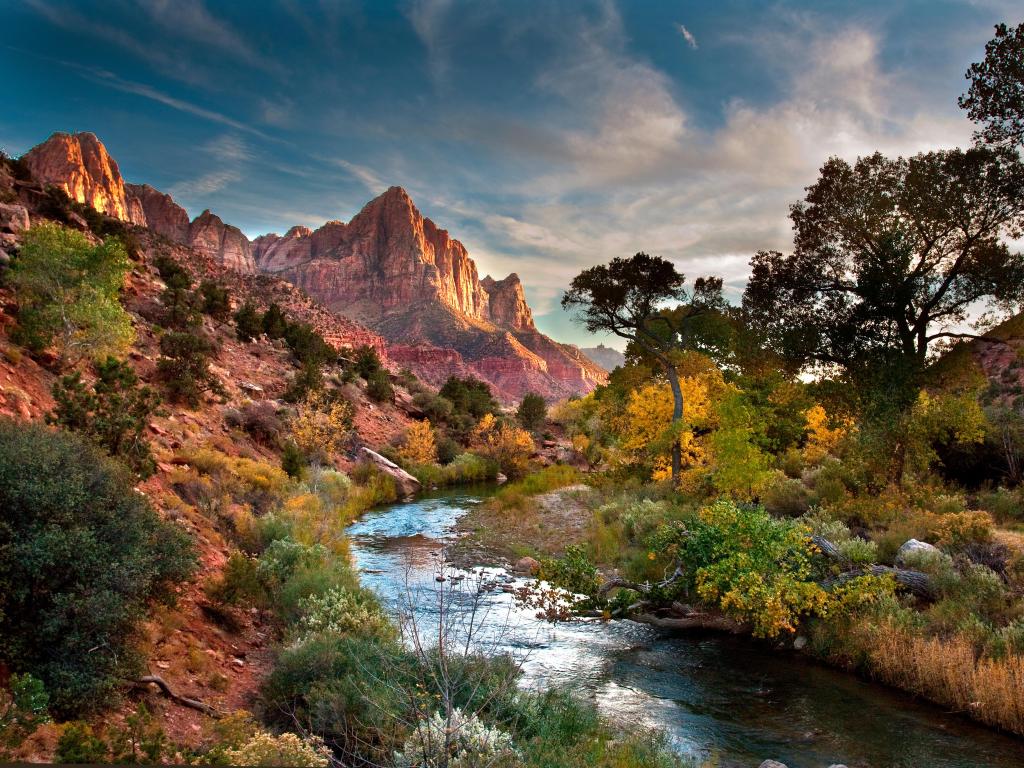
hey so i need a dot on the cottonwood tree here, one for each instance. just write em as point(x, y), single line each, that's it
point(995, 98)
point(891, 255)
point(627, 297)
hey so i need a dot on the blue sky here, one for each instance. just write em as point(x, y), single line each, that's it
point(547, 136)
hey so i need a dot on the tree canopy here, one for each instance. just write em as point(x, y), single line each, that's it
point(995, 98)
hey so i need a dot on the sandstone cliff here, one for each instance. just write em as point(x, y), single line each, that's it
point(162, 214)
point(226, 244)
point(79, 164)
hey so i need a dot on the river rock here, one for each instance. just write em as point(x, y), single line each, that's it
point(800, 643)
point(407, 484)
point(500, 479)
point(772, 764)
point(913, 548)
point(527, 565)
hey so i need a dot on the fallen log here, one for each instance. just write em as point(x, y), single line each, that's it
point(713, 621)
point(917, 583)
point(184, 701)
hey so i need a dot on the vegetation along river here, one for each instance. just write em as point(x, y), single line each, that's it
point(719, 698)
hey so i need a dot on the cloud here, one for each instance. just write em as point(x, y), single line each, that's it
point(687, 36)
point(427, 18)
point(367, 176)
point(206, 184)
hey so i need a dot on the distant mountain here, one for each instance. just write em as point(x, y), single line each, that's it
point(390, 268)
point(606, 357)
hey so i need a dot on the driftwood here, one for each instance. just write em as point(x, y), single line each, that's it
point(917, 583)
point(697, 620)
point(184, 701)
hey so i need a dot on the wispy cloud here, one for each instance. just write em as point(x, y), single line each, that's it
point(687, 36)
point(206, 184)
point(428, 21)
point(373, 182)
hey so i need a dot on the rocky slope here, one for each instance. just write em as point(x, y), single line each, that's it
point(389, 268)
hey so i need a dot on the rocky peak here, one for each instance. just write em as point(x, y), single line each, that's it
point(222, 242)
point(162, 214)
point(79, 164)
point(508, 307)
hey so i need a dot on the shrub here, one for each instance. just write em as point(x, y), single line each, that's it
point(286, 749)
point(216, 300)
point(532, 411)
point(67, 291)
point(308, 379)
point(786, 497)
point(418, 446)
point(274, 322)
point(185, 366)
point(469, 396)
point(378, 387)
point(78, 744)
point(339, 611)
point(240, 582)
point(293, 460)
point(81, 555)
point(506, 445)
point(456, 741)
point(113, 413)
point(308, 346)
point(260, 420)
point(22, 709)
point(436, 408)
point(365, 361)
point(321, 427)
point(248, 322)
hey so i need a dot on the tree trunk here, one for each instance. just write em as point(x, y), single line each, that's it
point(677, 417)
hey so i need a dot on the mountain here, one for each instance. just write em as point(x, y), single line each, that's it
point(606, 357)
point(389, 268)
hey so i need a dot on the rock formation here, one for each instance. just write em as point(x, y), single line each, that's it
point(78, 163)
point(222, 242)
point(389, 268)
point(163, 215)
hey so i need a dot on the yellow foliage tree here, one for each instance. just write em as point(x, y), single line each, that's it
point(507, 445)
point(419, 446)
point(644, 425)
point(322, 425)
point(821, 438)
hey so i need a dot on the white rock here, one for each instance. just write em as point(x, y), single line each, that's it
point(913, 548)
point(772, 764)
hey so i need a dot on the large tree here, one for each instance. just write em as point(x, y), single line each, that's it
point(627, 297)
point(891, 255)
point(995, 98)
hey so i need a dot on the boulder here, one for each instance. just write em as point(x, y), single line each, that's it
point(527, 565)
point(772, 764)
point(13, 218)
point(912, 548)
point(406, 484)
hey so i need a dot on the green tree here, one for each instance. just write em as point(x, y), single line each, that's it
point(23, 707)
point(181, 305)
point(81, 556)
point(67, 291)
point(248, 322)
point(379, 388)
point(274, 322)
point(625, 296)
point(114, 412)
point(469, 396)
point(996, 95)
point(532, 411)
point(185, 366)
point(216, 300)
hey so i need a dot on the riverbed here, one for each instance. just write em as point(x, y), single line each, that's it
point(719, 698)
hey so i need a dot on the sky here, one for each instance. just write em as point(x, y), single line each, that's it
point(547, 136)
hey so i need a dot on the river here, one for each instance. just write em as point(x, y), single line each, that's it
point(727, 700)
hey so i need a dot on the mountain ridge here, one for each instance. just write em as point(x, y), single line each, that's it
point(389, 268)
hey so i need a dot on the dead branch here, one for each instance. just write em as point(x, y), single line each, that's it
point(184, 701)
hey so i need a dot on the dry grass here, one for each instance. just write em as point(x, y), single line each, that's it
point(948, 672)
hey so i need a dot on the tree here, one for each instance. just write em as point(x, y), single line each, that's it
point(185, 366)
point(624, 298)
point(469, 396)
point(996, 95)
point(274, 322)
point(114, 412)
point(181, 305)
point(891, 255)
point(216, 300)
point(81, 556)
point(506, 445)
point(67, 291)
point(321, 427)
point(419, 446)
point(379, 388)
point(532, 411)
point(248, 322)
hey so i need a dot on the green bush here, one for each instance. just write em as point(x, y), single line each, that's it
point(185, 366)
point(216, 300)
point(378, 387)
point(78, 745)
point(274, 322)
point(469, 396)
point(68, 293)
point(114, 412)
point(81, 555)
point(532, 411)
point(22, 709)
point(248, 322)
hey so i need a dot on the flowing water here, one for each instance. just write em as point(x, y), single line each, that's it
point(722, 699)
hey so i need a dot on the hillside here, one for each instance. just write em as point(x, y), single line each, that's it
point(390, 269)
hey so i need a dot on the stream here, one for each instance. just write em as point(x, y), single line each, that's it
point(719, 698)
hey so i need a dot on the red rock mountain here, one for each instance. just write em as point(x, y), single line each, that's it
point(389, 268)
